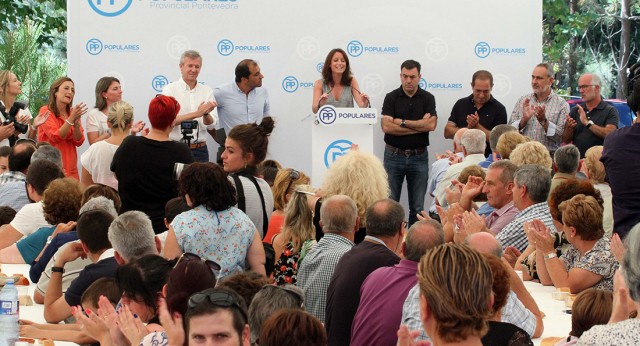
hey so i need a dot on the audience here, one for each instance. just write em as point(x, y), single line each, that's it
point(268, 301)
point(591, 307)
point(286, 181)
point(508, 142)
point(19, 158)
point(595, 173)
point(294, 327)
point(531, 153)
point(566, 162)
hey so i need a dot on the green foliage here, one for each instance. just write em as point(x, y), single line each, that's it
point(37, 68)
point(51, 14)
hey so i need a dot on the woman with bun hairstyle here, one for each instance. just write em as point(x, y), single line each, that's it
point(96, 161)
point(63, 127)
point(144, 166)
point(245, 147)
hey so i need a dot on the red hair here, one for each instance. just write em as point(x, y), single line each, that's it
point(163, 111)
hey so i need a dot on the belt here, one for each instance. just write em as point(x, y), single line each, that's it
point(197, 145)
point(405, 152)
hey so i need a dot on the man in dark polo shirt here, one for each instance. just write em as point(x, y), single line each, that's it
point(621, 158)
point(408, 115)
point(477, 111)
point(589, 123)
point(385, 231)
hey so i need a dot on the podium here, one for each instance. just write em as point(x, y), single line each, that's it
point(334, 131)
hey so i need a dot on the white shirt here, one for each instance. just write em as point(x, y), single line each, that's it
point(29, 219)
point(189, 100)
point(97, 161)
point(97, 122)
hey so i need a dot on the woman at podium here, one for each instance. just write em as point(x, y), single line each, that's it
point(337, 87)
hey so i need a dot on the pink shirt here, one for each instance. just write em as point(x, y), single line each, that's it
point(501, 217)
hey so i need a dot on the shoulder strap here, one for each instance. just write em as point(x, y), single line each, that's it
point(239, 192)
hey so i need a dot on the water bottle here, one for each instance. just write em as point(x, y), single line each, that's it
point(9, 314)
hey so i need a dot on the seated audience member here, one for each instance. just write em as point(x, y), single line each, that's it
point(494, 136)
point(520, 308)
point(72, 332)
point(380, 248)
point(508, 142)
point(339, 222)
point(4, 159)
point(95, 245)
point(246, 284)
point(622, 161)
point(502, 333)
point(362, 177)
point(18, 161)
point(61, 205)
point(13, 193)
point(268, 301)
point(566, 161)
point(189, 276)
point(286, 181)
point(384, 291)
point(245, 147)
point(96, 161)
point(596, 175)
point(621, 328)
point(6, 215)
point(455, 296)
point(293, 327)
point(564, 192)
point(590, 308)
point(588, 261)
point(268, 170)
point(141, 282)
point(212, 312)
point(214, 229)
point(96, 196)
point(132, 237)
point(531, 185)
point(473, 145)
point(296, 239)
point(531, 153)
point(31, 217)
point(144, 166)
point(174, 207)
point(440, 166)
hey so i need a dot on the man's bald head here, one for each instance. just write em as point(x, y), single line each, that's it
point(484, 242)
point(20, 156)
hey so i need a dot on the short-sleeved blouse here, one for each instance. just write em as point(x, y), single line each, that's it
point(598, 260)
point(97, 122)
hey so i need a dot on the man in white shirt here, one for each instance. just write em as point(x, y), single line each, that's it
point(197, 106)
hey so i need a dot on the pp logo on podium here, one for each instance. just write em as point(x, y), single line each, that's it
point(327, 115)
point(335, 150)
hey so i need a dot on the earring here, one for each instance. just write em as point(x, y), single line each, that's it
point(245, 165)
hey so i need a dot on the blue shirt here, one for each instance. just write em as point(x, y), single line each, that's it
point(31, 246)
point(236, 108)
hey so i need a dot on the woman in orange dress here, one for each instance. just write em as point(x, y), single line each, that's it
point(63, 130)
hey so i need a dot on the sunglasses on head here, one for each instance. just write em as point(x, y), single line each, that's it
point(293, 175)
point(218, 298)
point(188, 256)
point(288, 289)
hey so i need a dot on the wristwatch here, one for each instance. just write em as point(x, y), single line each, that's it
point(550, 255)
point(403, 123)
point(57, 270)
point(589, 123)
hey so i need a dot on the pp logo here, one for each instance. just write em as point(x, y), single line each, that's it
point(482, 50)
point(290, 84)
point(176, 45)
point(308, 48)
point(422, 84)
point(327, 115)
point(501, 85)
point(320, 66)
point(158, 82)
point(437, 49)
point(354, 48)
point(225, 47)
point(373, 83)
point(110, 8)
point(335, 150)
point(94, 46)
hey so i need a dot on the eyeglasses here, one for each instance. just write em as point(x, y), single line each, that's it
point(583, 87)
point(218, 298)
point(289, 289)
point(293, 175)
point(214, 266)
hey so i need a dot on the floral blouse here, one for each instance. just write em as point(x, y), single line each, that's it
point(598, 260)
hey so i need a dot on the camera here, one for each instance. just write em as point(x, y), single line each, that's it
point(187, 128)
point(188, 125)
point(11, 117)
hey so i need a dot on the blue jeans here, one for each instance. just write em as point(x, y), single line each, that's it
point(201, 154)
point(416, 169)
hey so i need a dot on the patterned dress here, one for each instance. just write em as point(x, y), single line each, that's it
point(286, 268)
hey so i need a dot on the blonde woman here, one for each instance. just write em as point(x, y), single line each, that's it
point(284, 184)
point(595, 172)
point(296, 239)
point(96, 161)
point(531, 153)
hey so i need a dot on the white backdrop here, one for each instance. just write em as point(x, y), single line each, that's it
point(140, 42)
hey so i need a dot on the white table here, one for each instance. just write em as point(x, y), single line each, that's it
point(556, 321)
point(35, 312)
